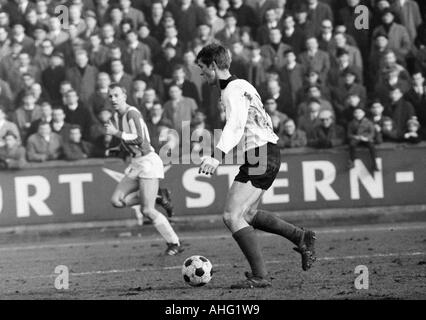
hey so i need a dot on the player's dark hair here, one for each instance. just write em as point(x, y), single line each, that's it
point(117, 85)
point(217, 54)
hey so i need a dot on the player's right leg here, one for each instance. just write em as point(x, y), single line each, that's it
point(148, 189)
point(125, 194)
point(241, 197)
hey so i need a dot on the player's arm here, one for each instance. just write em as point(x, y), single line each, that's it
point(136, 135)
point(233, 132)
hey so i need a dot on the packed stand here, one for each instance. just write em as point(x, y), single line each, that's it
point(325, 81)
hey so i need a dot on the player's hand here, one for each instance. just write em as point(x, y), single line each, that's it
point(208, 165)
point(110, 129)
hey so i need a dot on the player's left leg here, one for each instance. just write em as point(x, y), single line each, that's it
point(148, 189)
point(126, 193)
point(269, 222)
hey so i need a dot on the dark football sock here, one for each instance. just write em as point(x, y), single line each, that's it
point(270, 223)
point(247, 240)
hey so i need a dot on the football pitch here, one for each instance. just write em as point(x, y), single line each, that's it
point(106, 266)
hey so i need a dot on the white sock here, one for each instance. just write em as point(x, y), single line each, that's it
point(139, 215)
point(165, 229)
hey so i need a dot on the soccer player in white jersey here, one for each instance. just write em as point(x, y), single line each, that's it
point(248, 123)
point(141, 182)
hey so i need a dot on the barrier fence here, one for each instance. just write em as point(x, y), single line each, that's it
point(61, 192)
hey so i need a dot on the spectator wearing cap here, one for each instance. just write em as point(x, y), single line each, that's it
point(399, 39)
point(91, 22)
point(7, 126)
point(312, 79)
point(179, 109)
point(291, 137)
point(82, 76)
point(355, 57)
point(417, 97)
point(44, 145)
point(400, 110)
point(129, 12)
point(75, 148)
point(327, 134)
point(389, 63)
point(412, 134)
point(302, 21)
point(12, 153)
point(361, 132)
point(135, 53)
point(316, 59)
point(379, 49)
point(273, 51)
point(308, 121)
point(40, 35)
point(346, 87)
point(292, 36)
point(216, 23)
point(77, 113)
point(188, 17)
point(270, 22)
point(52, 77)
point(392, 80)
point(257, 66)
point(352, 102)
point(410, 14)
point(231, 33)
point(151, 79)
point(338, 69)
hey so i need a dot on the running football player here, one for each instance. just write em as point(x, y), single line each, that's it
point(141, 182)
point(248, 123)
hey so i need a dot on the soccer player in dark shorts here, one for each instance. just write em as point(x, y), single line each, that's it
point(247, 122)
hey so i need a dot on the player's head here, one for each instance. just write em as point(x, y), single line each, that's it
point(117, 96)
point(211, 59)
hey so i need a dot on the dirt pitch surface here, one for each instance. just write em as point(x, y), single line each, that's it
point(111, 267)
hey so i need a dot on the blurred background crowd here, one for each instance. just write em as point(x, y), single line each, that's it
point(325, 80)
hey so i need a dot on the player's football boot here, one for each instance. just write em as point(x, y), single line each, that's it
point(307, 249)
point(252, 282)
point(173, 249)
point(165, 201)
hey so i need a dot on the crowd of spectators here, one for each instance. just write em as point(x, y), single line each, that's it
point(325, 80)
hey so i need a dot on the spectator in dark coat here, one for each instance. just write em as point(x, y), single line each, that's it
point(273, 51)
point(77, 113)
point(82, 76)
point(58, 124)
point(389, 132)
point(327, 134)
point(257, 66)
point(361, 133)
point(188, 18)
point(99, 99)
point(165, 64)
point(315, 59)
point(188, 88)
point(118, 75)
point(53, 76)
point(271, 22)
point(28, 112)
point(377, 117)
point(231, 33)
point(151, 79)
point(417, 97)
point(75, 148)
point(292, 75)
point(290, 137)
point(245, 15)
point(293, 36)
point(308, 122)
point(412, 135)
point(100, 140)
point(400, 110)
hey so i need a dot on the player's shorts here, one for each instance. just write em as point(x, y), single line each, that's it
point(149, 166)
point(261, 166)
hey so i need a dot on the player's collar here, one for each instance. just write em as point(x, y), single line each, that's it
point(224, 83)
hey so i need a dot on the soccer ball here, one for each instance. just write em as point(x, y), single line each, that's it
point(197, 271)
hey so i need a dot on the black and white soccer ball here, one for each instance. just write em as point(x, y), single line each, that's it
point(197, 271)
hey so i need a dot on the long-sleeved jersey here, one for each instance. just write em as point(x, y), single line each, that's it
point(135, 138)
point(246, 118)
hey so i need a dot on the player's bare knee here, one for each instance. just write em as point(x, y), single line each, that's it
point(117, 202)
point(231, 218)
point(249, 216)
